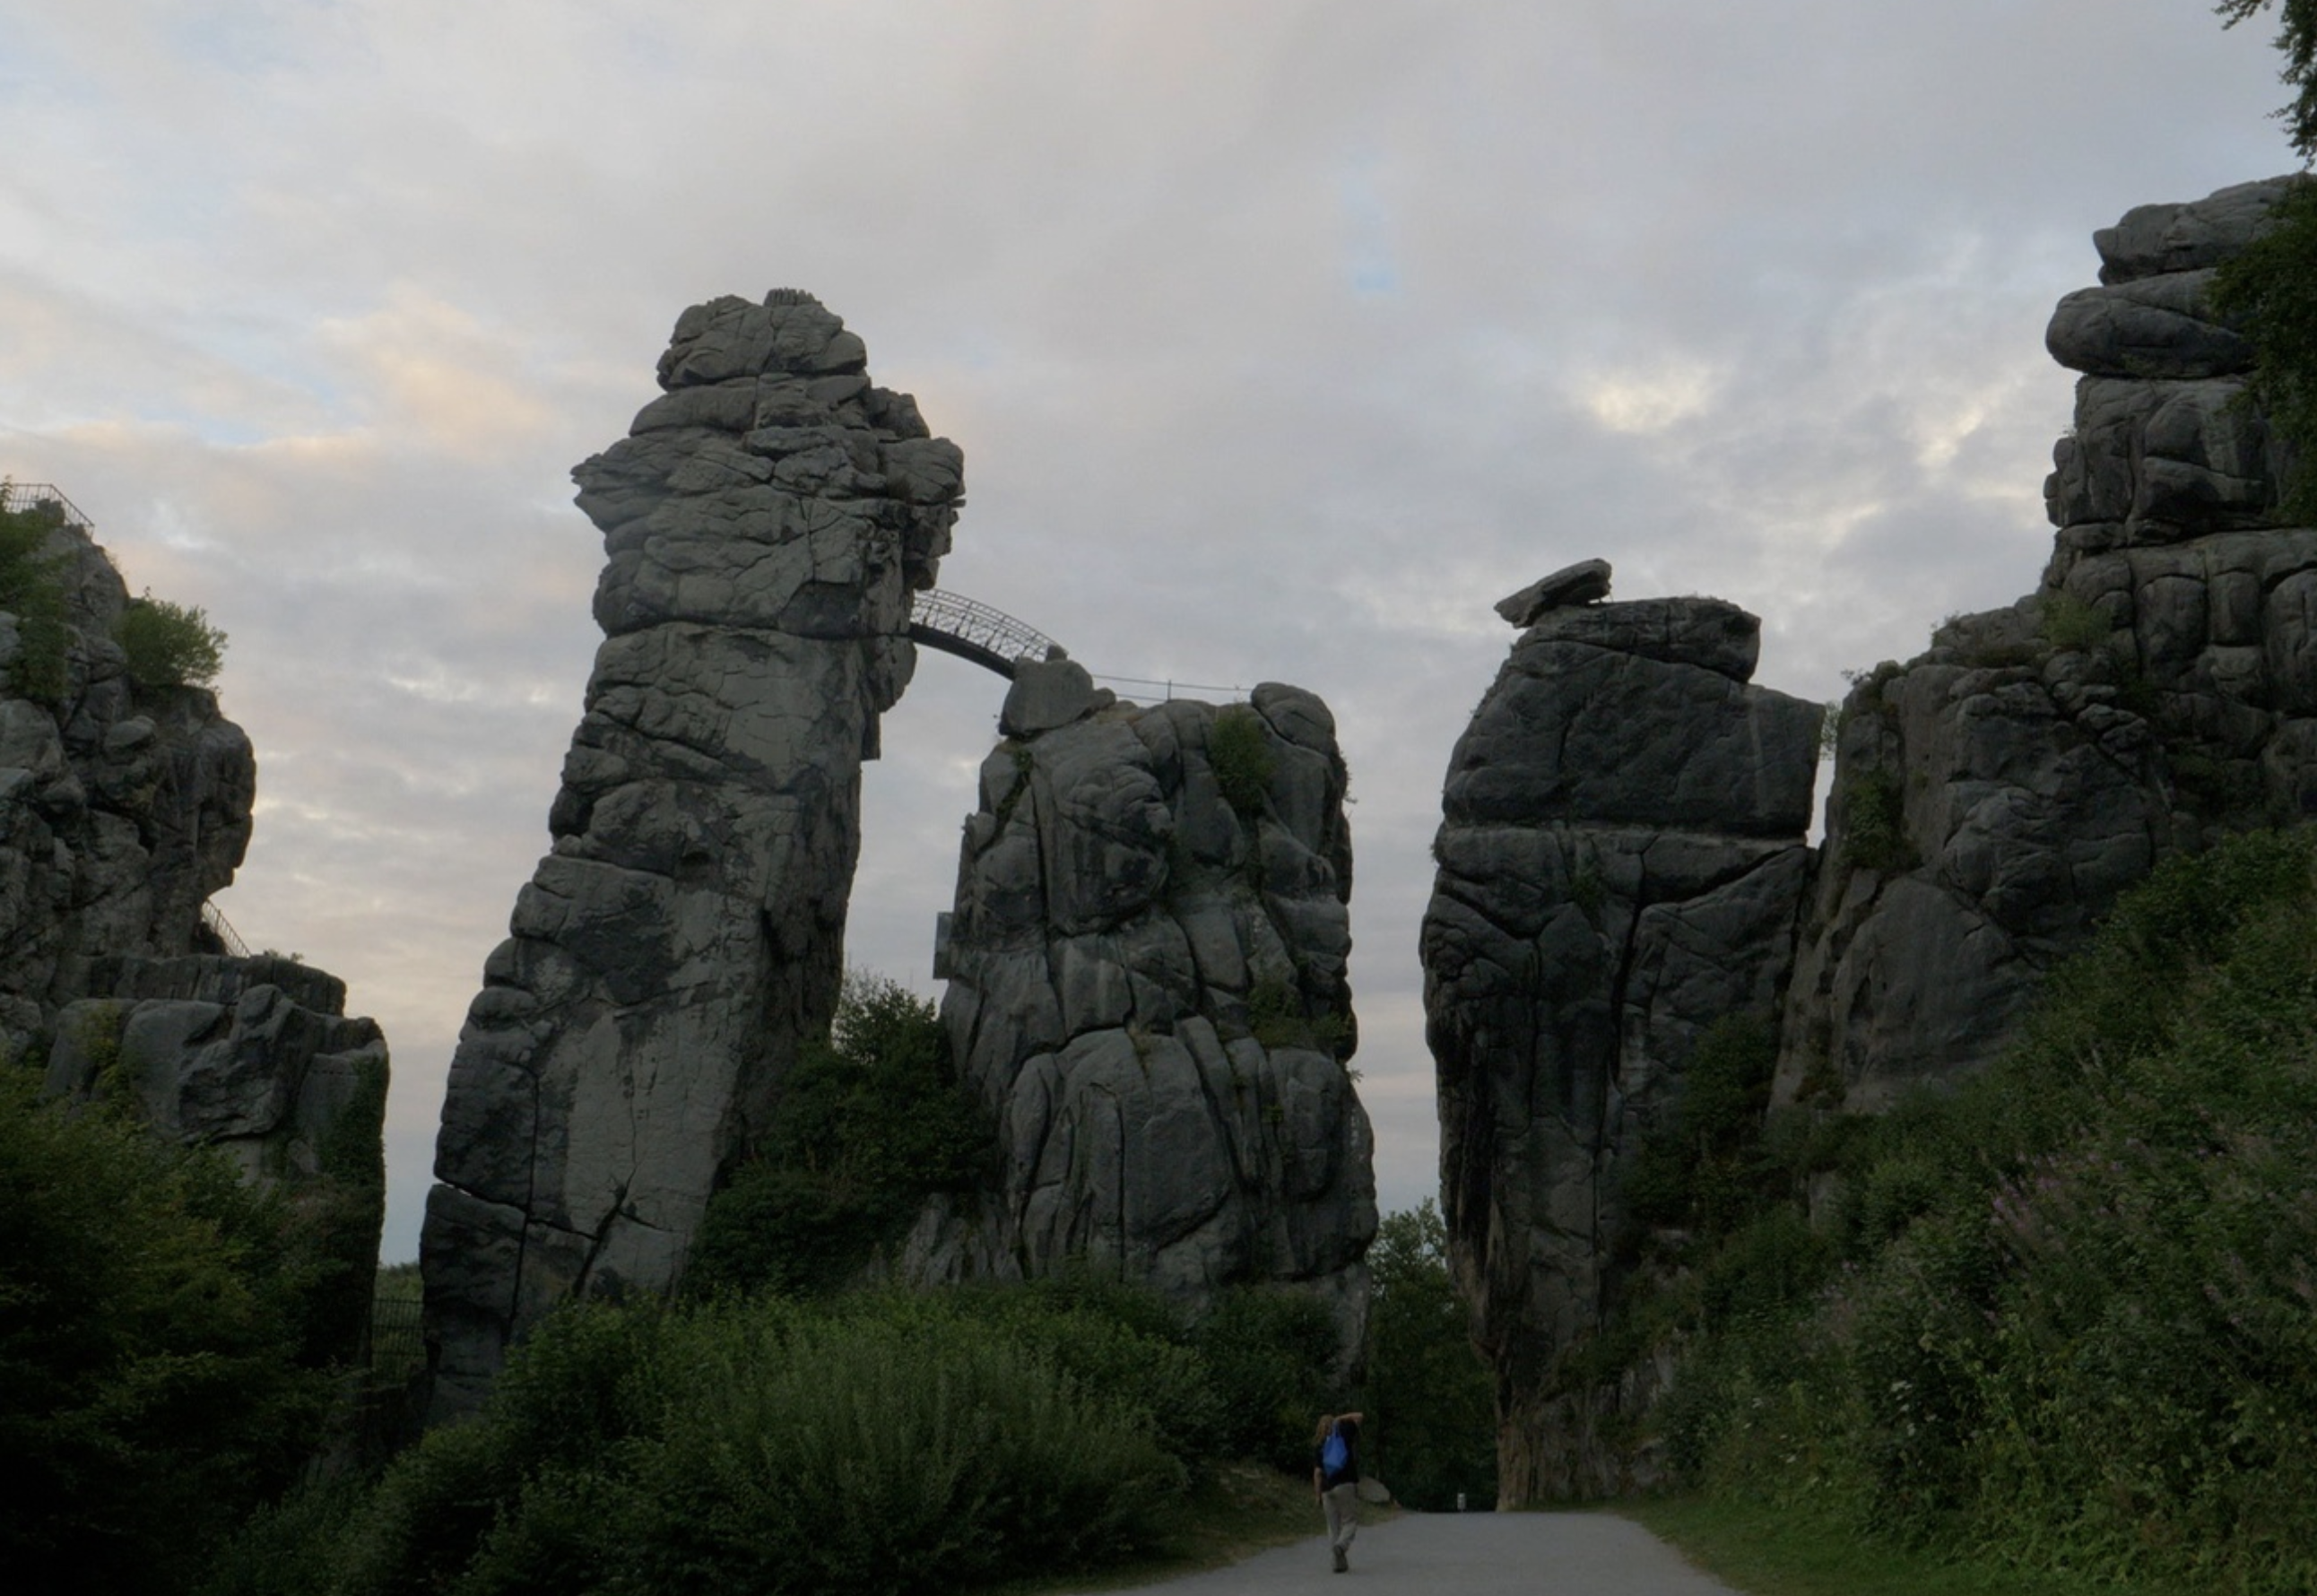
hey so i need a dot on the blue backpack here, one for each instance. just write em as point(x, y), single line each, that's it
point(1335, 1455)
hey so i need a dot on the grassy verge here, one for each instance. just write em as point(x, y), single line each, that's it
point(1765, 1551)
point(1230, 1514)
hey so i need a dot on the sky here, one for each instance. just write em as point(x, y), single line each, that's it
point(1281, 338)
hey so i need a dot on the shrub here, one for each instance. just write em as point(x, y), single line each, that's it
point(1430, 1400)
point(150, 1387)
point(1272, 1357)
point(2073, 1320)
point(870, 1122)
point(1239, 748)
point(31, 590)
point(865, 1455)
point(169, 645)
point(2069, 622)
point(1875, 823)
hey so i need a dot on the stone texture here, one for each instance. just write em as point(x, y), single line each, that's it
point(1148, 990)
point(1993, 796)
point(1621, 865)
point(765, 523)
point(1584, 582)
point(122, 809)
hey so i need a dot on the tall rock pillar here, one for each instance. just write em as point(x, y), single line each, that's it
point(1621, 865)
point(1148, 990)
point(766, 521)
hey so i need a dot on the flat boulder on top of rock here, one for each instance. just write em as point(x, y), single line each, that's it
point(2151, 240)
point(1584, 582)
point(1709, 633)
point(1050, 693)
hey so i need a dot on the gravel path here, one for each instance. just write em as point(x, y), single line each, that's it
point(1471, 1554)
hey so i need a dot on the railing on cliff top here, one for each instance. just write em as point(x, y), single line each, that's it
point(26, 496)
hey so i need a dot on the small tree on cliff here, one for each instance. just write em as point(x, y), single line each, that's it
point(2272, 287)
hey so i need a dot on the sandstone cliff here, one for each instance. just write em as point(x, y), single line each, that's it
point(1990, 799)
point(766, 523)
point(1993, 796)
point(123, 806)
point(1147, 988)
point(1621, 865)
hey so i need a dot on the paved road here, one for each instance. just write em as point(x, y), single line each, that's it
point(1471, 1554)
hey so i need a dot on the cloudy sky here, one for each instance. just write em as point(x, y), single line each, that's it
point(1281, 338)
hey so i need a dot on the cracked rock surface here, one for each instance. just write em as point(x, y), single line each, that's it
point(1147, 988)
point(765, 523)
point(1621, 864)
point(1993, 796)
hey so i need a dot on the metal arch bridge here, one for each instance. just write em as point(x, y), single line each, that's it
point(970, 629)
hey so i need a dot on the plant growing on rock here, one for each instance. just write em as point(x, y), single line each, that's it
point(169, 645)
point(1239, 748)
point(31, 590)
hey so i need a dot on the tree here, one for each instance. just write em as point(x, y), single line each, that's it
point(2272, 287)
point(2297, 40)
point(1431, 1403)
point(150, 1387)
point(870, 1122)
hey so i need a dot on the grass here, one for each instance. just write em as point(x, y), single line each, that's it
point(1231, 1513)
point(1764, 1550)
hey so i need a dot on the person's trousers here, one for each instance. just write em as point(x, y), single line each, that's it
point(1343, 1504)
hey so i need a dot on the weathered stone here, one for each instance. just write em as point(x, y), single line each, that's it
point(2154, 239)
point(765, 525)
point(1048, 694)
point(1621, 866)
point(1584, 582)
point(1148, 990)
point(2154, 327)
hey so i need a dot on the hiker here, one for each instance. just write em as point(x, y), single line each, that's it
point(1335, 1479)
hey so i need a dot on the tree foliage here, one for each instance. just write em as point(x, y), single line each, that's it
point(2296, 40)
point(870, 1122)
point(2272, 287)
point(150, 1330)
point(1430, 1400)
point(169, 645)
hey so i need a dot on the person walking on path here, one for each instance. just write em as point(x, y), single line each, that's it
point(1335, 1479)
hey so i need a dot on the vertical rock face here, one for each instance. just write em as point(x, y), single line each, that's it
point(1993, 796)
point(1622, 864)
point(122, 808)
point(1990, 799)
point(765, 522)
point(1147, 988)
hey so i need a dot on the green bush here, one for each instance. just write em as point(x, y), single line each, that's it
point(150, 1381)
point(881, 1444)
point(1239, 748)
point(2069, 622)
point(169, 645)
point(861, 1456)
point(1272, 1357)
point(869, 1123)
point(1875, 821)
point(2071, 1323)
point(1430, 1400)
point(31, 590)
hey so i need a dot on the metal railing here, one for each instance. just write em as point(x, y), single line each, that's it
point(971, 629)
point(213, 920)
point(29, 495)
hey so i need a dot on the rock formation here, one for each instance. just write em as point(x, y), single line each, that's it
point(123, 806)
point(1621, 865)
point(1993, 796)
point(1990, 799)
point(766, 523)
point(1147, 988)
